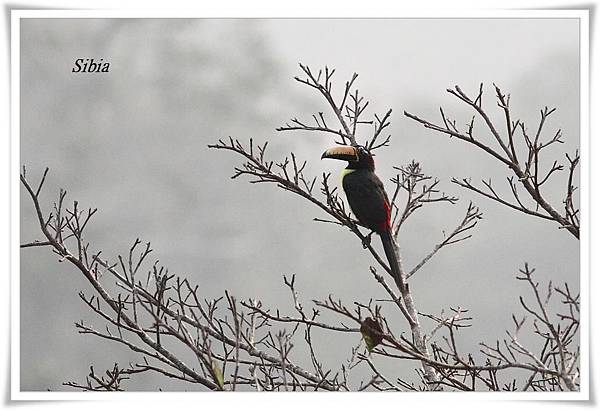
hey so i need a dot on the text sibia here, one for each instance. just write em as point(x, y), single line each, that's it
point(89, 65)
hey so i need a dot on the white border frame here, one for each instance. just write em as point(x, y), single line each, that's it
point(249, 10)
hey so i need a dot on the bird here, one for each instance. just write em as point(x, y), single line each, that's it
point(367, 197)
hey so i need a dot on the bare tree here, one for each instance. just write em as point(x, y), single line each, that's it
point(226, 344)
point(525, 167)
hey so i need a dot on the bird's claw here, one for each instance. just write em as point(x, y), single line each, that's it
point(366, 242)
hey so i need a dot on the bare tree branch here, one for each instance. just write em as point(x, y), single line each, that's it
point(528, 173)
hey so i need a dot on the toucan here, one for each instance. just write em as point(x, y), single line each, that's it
point(367, 197)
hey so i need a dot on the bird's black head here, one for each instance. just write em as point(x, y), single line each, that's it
point(358, 157)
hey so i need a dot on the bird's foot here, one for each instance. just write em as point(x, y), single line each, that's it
point(366, 242)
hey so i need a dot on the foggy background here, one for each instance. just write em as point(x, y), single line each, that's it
point(133, 144)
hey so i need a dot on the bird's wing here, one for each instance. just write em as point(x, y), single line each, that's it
point(368, 200)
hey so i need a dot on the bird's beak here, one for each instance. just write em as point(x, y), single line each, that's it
point(343, 152)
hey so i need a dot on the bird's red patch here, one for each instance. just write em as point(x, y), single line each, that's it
point(387, 224)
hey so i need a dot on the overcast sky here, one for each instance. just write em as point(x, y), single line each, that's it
point(133, 143)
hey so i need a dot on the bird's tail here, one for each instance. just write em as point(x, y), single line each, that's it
point(391, 254)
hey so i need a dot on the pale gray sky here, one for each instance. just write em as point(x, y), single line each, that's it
point(133, 143)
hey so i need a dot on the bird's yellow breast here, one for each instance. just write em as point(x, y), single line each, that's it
point(346, 171)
